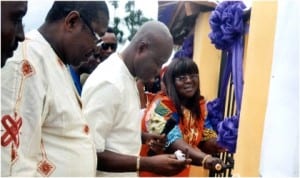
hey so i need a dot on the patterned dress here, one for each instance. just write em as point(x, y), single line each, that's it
point(190, 129)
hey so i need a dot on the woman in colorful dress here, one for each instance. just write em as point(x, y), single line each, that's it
point(181, 101)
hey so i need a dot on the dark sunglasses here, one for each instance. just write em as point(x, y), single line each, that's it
point(106, 46)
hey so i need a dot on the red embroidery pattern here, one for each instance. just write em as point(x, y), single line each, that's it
point(86, 129)
point(45, 167)
point(27, 69)
point(14, 154)
point(12, 129)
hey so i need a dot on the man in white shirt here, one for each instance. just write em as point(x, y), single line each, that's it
point(112, 107)
point(43, 131)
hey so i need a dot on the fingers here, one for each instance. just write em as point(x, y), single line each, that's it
point(213, 163)
point(156, 146)
point(169, 165)
point(180, 163)
point(162, 136)
point(172, 156)
point(155, 143)
point(150, 143)
point(157, 136)
point(188, 161)
point(158, 139)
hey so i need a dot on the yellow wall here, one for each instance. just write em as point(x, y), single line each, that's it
point(258, 62)
point(207, 57)
point(257, 70)
point(208, 60)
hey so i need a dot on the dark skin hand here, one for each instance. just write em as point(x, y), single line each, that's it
point(197, 155)
point(166, 167)
point(164, 164)
point(211, 146)
point(212, 162)
point(155, 142)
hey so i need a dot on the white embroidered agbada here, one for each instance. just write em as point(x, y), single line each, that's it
point(43, 131)
point(112, 107)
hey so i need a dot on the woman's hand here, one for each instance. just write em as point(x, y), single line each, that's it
point(211, 146)
point(155, 142)
point(214, 164)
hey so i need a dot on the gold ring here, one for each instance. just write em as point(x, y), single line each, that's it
point(218, 167)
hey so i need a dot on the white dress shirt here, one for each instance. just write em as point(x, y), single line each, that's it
point(39, 99)
point(111, 105)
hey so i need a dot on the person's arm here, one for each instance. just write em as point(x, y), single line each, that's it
point(198, 157)
point(100, 117)
point(194, 153)
point(99, 103)
point(154, 141)
point(209, 143)
point(164, 164)
point(211, 146)
point(22, 105)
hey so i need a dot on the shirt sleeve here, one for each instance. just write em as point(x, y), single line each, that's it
point(173, 135)
point(208, 131)
point(21, 112)
point(100, 102)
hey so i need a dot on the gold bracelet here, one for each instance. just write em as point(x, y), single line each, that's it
point(205, 158)
point(138, 163)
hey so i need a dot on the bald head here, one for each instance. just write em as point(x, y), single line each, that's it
point(156, 34)
point(149, 49)
point(153, 30)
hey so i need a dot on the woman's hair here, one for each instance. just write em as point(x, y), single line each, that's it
point(88, 9)
point(182, 66)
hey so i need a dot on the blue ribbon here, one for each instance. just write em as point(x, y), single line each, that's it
point(228, 28)
point(186, 49)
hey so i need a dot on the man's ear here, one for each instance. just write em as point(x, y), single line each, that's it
point(71, 20)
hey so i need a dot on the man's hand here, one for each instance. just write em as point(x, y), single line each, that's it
point(165, 164)
point(155, 142)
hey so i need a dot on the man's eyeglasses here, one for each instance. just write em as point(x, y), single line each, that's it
point(95, 35)
point(106, 46)
point(184, 78)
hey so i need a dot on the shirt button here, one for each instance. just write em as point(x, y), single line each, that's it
point(86, 129)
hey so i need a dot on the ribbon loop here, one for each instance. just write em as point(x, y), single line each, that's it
point(228, 28)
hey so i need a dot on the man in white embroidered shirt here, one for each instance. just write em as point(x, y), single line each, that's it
point(43, 131)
